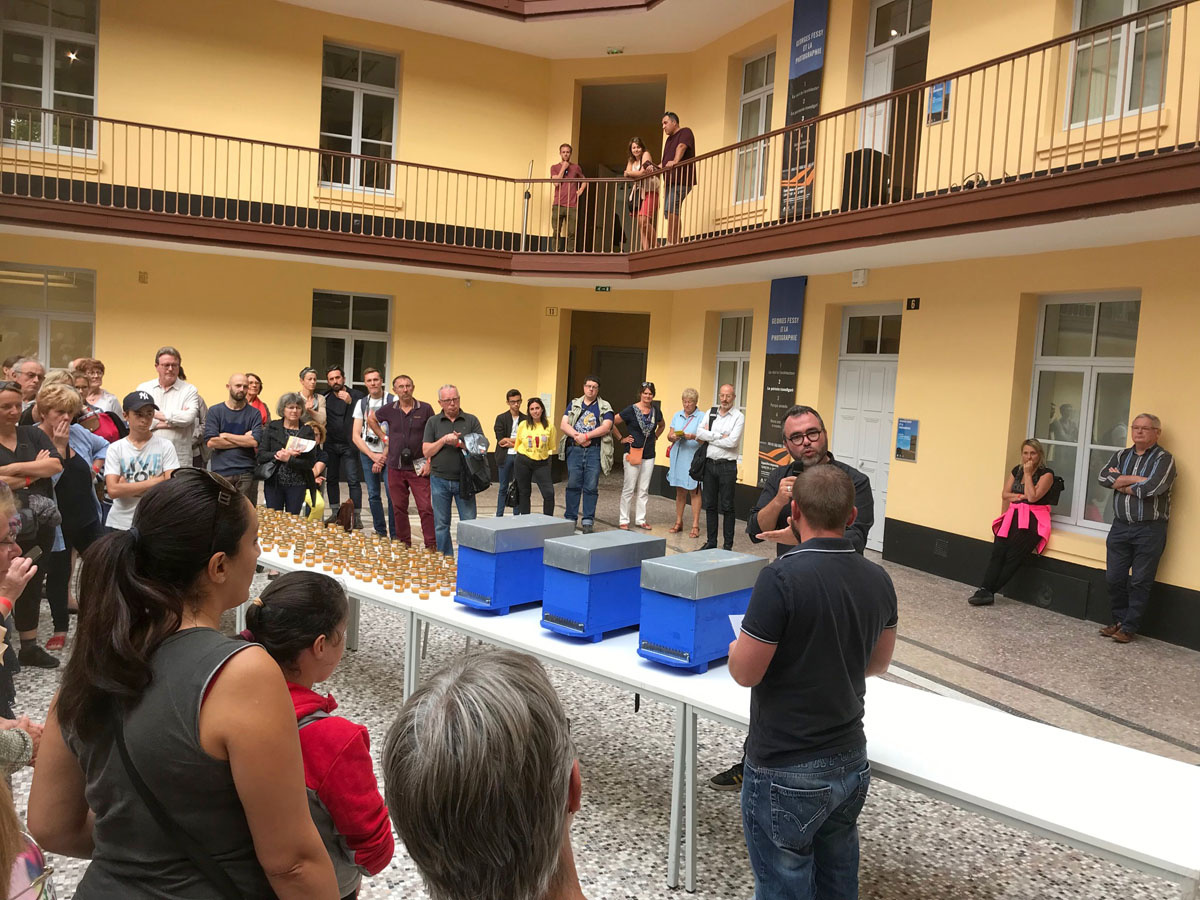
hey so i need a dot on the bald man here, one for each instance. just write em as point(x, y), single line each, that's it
point(232, 431)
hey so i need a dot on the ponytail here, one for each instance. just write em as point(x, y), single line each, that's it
point(293, 612)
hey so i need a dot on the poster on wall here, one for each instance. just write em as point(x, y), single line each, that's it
point(906, 439)
point(806, 62)
point(780, 369)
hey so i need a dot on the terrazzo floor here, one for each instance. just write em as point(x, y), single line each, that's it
point(1026, 659)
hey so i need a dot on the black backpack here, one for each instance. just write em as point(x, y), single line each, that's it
point(1055, 492)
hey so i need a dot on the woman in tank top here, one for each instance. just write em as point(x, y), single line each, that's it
point(207, 721)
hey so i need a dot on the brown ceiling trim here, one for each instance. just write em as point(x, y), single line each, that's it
point(542, 10)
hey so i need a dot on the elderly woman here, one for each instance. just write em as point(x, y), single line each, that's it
point(96, 395)
point(643, 423)
point(32, 415)
point(295, 469)
point(18, 737)
point(1025, 525)
point(682, 435)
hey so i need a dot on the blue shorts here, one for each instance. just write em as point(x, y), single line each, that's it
point(674, 197)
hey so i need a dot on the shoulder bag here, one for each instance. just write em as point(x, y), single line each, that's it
point(696, 470)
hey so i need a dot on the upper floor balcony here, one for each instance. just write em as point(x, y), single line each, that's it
point(1101, 121)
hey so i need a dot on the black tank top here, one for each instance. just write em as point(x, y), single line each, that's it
point(76, 498)
point(133, 859)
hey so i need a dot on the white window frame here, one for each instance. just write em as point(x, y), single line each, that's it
point(45, 315)
point(756, 155)
point(898, 39)
point(878, 310)
point(350, 334)
point(359, 89)
point(1128, 36)
point(742, 359)
point(1090, 367)
point(51, 36)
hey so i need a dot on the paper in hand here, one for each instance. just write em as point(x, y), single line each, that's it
point(736, 622)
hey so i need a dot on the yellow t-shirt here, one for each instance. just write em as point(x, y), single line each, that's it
point(535, 441)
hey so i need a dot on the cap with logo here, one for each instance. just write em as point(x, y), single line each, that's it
point(138, 400)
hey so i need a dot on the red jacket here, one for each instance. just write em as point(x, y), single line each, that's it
point(339, 773)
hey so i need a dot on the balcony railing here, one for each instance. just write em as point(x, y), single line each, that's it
point(1108, 95)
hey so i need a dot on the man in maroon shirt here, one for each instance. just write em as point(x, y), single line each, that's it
point(565, 207)
point(408, 470)
point(678, 152)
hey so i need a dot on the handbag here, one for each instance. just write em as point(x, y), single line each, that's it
point(634, 456)
point(36, 512)
point(512, 496)
point(186, 844)
point(696, 469)
point(266, 471)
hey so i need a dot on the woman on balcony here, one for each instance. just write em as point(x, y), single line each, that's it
point(643, 195)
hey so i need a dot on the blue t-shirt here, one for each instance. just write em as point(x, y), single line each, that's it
point(590, 418)
point(222, 419)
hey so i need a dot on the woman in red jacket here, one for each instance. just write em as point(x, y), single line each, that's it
point(301, 621)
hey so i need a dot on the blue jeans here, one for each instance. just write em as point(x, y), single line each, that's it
point(441, 490)
point(801, 826)
point(374, 481)
point(583, 476)
point(1137, 547)
point(504, 472)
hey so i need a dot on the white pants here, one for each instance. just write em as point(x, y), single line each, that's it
point(636, 477)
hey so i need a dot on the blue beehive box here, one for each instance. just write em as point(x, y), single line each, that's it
point(687, 600)
point(500, 560)
point(592, 581)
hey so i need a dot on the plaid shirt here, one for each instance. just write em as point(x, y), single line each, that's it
point(1149, 500)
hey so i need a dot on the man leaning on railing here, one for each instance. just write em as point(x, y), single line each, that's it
point(565, 207)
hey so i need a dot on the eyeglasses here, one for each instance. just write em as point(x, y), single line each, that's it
point(801, 437)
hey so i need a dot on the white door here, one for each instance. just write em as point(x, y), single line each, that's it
point(862, 427)
point(877, 81)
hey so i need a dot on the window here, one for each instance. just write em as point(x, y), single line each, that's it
point(754, 118)
point(1119, 70)
point(895, 19)
point(358, 115)
point(1082, 381)
point(46, 313)
point(872, 334)
point(48, 61)
point(350, 330)
point(733, 358)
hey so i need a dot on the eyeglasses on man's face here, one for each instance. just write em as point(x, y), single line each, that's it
point(802, 437)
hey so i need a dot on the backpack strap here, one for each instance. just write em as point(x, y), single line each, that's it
point(314, 716)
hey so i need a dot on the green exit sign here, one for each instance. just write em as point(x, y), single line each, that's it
point(603, 288)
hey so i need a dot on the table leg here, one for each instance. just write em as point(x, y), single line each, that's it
point(239, 617)
point(412, 655)
point(690, 799)
point(1190, 889)
point(352, 624)
point(677, 777)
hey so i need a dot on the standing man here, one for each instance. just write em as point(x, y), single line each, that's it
point(506, 444)
point(178, 403)
point(372, 450)
point(565, 206)
point(29, 374)
point(232, 431)
point(1141, 477)
point(678, 150)
point(405, 420)
point(340, 401)
point(821, 620)
point(442, 446)
point(723, 434)
point(588, 449)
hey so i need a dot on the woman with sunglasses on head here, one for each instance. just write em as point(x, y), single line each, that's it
point(536, 440)
point(170, 756)
point(643, 423)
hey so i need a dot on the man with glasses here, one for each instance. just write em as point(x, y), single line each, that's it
point(177, 403)
point(442, 446)
point(588, 450)
point(807, 441)
point(29, 374)
point(1141, 478)
point(722, 432)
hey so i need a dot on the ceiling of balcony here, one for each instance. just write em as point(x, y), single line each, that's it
point(636, 26)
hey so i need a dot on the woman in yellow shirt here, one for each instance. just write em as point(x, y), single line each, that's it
point(536, 440)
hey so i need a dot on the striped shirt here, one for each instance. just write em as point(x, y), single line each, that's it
point(1147, 501)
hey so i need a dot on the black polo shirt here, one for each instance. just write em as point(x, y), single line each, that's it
point(824, 607)
point(447, 462)
point(864, 502)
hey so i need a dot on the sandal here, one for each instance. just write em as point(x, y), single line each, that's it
point(695, 533)
point(645, 526)
point(623, 527)
point(56, 642)
point(676, 528)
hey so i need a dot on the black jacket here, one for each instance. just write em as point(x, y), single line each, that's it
point(864, 502)
point(274, 438)
point(503, 428)
point(339, 417)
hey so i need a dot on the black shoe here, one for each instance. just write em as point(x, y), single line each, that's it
point(708, 546)
point(729, 780)
point(587, 529)
point(34, 655)
point(729, 548)
point(982, 598)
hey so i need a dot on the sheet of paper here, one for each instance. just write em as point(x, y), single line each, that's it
point(736, 622)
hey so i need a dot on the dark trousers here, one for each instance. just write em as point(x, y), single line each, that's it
point(528, 471)
point(400, 483)
point(342, 464)
point(28, 606)
point(58, 571)
point(1007, 555)
point(1133, 554)
point(504, 475)
point(720, 479)
point(289, 497)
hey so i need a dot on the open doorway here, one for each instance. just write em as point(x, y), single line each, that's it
point(609, 115)
point(611, 346)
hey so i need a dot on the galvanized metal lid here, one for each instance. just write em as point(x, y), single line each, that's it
point(704, 573)
point(604, 551)
point(509, 533)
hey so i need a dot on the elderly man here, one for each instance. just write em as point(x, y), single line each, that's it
point(484, 801)
point(178, 403)
point(1141, 477)
point(29, 374)
point(723, 434)
point(442, 445)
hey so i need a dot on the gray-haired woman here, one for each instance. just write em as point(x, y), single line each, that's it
point(298, 468)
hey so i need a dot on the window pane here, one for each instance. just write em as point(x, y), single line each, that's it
point(379, 70)
point(68, 341)
point(22, 124)
point(1056, 416)
point(370, 314)
point(330, 311)
point(22, 60)
point(889, 342)
point(377, 117)
point(754, 75)
point(71, 292)
point(74, 68)
point(891, 21)
point(336, 169)
point(744, 388)
point(748, 127)
point(19, 336)
point(375, 175)
point(326, 351)
point(372, 354)
point(770, 69)
point(35, 11)
point(1069, 329)
point(727, 373)
point(1095, 12)
point(1110, 414)
point(1064, 460)
point(1118, 328)
point(862, 334)
point(1094, 92)
point(73, 131)
point(1146, 77)
point(21, 289)
point(920, 14)
point(75, 15)
point(746, 327)
point(729, 341)
point(337, 111)
point(1099, 505)
point(340, 62)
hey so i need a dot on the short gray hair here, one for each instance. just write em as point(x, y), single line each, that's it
point(477, 773)
point(448, 387)
point(167, 351)
point(691, 394)
point(1154, 420)
point(23, 361)
point(291, 398)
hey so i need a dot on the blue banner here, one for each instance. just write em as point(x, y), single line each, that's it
point(806, 63)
